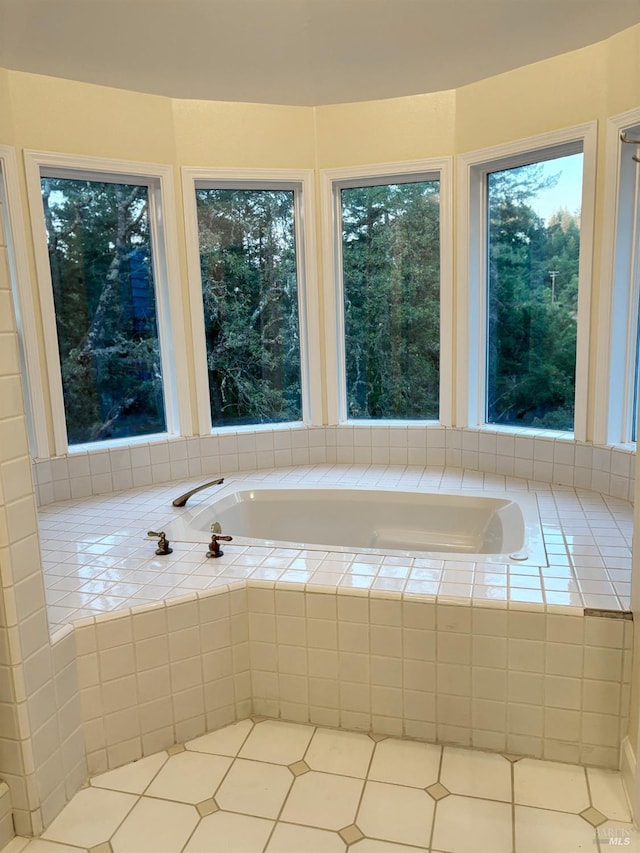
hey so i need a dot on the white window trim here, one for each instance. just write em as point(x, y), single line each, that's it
point(167, 281)
point(21, 285)
point(331, 180)
point(471, 268)
point(301, 180)
point(618, 300)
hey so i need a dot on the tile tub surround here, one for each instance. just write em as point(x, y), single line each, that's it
point(540, 455)
point(530, 682)
point(97, 557)
point(262, 785)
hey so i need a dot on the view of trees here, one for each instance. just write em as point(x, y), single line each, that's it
point(101, 271)
point(532, 304)
point(250, 298)
point(391, 281)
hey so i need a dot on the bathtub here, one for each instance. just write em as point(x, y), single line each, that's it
point(465, 525)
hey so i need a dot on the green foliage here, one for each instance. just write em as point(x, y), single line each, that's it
point(101, 271)
point(391, 277)
point(532, 306)
point(249, 291)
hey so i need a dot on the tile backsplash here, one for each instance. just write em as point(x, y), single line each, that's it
point(543, 457)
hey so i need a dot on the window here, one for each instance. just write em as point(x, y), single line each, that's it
point(104, 235)
point(391, 299)
point(254, 297)
point(390, 256)
point(101, 262)
point(533, 225)
point(248, 264)
point(524, 267)
point(11, 222)
point(618, 363)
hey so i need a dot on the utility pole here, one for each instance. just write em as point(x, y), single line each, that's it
point(553, 274)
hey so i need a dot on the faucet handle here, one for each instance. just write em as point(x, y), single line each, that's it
point(214, 548)
point(163, 544)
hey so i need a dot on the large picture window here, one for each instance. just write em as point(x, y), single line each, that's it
point(390, 241)
point(533, 225)
point(249, 273)
point(524, 266)
point(101, 263)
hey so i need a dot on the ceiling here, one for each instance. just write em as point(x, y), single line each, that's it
point(299, 52)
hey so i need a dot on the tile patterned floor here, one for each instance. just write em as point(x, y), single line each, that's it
point(97, 557)
point(265, 785)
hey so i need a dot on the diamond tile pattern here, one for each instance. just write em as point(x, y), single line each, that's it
point(343, 790)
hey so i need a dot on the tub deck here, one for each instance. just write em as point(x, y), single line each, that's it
point(97, 557)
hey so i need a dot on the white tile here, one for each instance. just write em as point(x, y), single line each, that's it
point(90, 818)
point(473, 826)
point(396, 813)
point(405, 763)
point(280, 743)
point(344, 753)
point(323, 800)
point(189, 777)
point(226, 741)
point(476, 774)
point(223, 832)
point(132, 778)
point(551, 831)
point(156, 825)
point(550, 785)
point(289, 838)
point(254, 788)
point(607, 794)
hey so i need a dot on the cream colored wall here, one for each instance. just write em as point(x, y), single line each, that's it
point(394, 130)
point(6, 119)
point(243, 135)
point(78, 118)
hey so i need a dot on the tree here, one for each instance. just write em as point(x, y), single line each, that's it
point(391, 282)
point(101, 270)
point(532, 305)
point(250, 298)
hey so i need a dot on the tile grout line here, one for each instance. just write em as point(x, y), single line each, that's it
point(435, 807)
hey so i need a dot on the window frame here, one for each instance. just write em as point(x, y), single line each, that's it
point(301, 182)
point(332, 181)
point(619, 302)
point(473, 168)
point(162, 221)
point(23, 300)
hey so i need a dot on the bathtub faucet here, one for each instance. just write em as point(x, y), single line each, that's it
point(181, 501)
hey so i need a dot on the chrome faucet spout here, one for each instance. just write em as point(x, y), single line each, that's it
point(181, 501)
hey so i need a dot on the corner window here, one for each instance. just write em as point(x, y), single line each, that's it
point(249, 274)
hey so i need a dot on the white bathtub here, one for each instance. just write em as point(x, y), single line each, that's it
point(457, 525)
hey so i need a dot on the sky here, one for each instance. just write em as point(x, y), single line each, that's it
point(568, 190)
